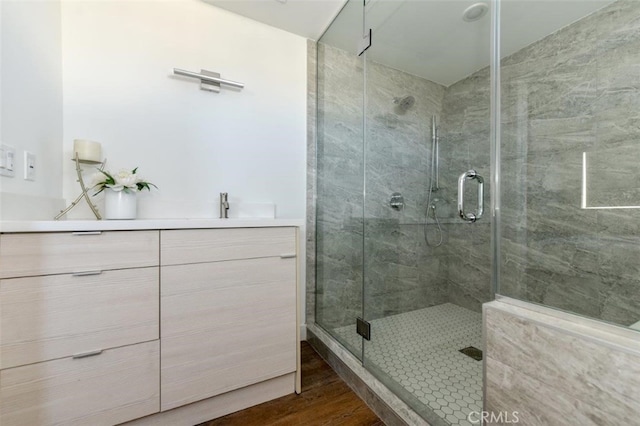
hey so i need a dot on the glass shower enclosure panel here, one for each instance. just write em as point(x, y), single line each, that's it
point(570, 155)
point(340, 182)
point(427, 270)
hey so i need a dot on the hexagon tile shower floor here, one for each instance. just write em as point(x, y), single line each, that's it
point(420, 351)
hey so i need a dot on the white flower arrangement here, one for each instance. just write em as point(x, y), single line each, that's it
point(124, 180)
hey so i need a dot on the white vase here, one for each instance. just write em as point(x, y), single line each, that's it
point(119, 204)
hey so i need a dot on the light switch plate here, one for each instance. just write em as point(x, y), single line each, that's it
point(7, 161)
point(29, 166)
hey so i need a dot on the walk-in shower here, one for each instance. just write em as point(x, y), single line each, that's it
point(402, 288)
point(403, 273)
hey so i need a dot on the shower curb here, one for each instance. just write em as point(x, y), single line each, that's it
point(339, 359)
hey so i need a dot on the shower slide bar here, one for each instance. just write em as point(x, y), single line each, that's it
point(470, 175)
point(209, 80)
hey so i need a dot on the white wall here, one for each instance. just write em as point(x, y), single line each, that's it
point(31, 106)
point(192, 144)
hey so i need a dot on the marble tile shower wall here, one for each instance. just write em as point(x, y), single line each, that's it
point(402, 272)
point(464, 145)
point(405, 273)
point(339, 190)
point(577, 90)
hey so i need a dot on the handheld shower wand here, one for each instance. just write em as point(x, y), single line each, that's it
point(434, 184)
point(435, 151)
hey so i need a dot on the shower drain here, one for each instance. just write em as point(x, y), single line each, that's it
point(472, 352)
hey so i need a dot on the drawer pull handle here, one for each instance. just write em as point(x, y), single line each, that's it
point(87, 233)
point(287, 255)
point(85, 273)
point(87, 354)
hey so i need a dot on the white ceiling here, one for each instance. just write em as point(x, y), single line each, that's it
point(427, 38)
point(308, 18)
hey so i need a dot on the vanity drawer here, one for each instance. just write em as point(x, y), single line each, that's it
point(110, 388)
point(212, 245)
point(66, 252)
point(47, 317)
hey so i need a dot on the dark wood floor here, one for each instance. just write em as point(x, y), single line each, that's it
point(325, 400)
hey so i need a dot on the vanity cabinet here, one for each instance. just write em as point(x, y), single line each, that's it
point(228, 303)
point(79, 327)
point(145, 327)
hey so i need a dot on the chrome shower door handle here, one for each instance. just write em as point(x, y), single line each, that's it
point(470, 175)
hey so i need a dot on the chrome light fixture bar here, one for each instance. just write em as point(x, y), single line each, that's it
point(209, 80)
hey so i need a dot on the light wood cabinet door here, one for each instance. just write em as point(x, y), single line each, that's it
point(180, 247)
point(23, 255)
point(225, 325)
point(56, 316)
point(114, 387)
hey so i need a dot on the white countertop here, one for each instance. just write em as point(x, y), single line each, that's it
point(139, 224)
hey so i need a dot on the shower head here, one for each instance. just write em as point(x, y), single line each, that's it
point(404, 103)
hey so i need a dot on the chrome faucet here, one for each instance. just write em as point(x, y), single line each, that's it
point(224, 205)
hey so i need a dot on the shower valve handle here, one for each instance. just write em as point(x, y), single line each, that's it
point(470, 175)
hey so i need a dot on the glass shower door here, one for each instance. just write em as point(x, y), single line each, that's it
point(426, 270)
point(340, 183)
